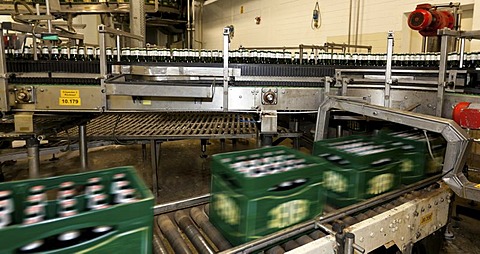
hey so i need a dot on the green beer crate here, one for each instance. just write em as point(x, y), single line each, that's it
point(101, 222)
point(255, 171)
point(357, 150)
point(242, 218)
point(416, 159)
point(357, 168)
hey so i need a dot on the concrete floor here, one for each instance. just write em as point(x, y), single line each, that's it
point(184, 174)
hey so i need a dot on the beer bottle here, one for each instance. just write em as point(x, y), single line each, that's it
point(90, 54)
point(311, 58)
point(34, 213)
point(74, 53)
point(305, 58)
point(296, 58)
point(45, 53)
point(122, 190)
point(135, 55)
point(109, 55)
point(64, 53)
point(67, 207)
point(143, 55)
point(81, 54)
point(151, 55)
point(27, 53)
point(279, 55)
point(8, 54)
point(287, 57)
point(125, 54)
point(55, 53)
point(97, 54)
point(355, 59)
point(6, 208)
point(334, 59)
point(115, 53)
point(96, 200)
point(17, 54)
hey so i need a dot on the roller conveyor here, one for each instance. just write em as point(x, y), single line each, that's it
point(173, 236)
point(128, 126)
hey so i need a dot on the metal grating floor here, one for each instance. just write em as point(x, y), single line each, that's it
point(148, 126)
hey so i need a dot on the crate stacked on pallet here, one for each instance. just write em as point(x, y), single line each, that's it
point(260, 191)
point(413, 145)
point(106, 211)
point(357, 168)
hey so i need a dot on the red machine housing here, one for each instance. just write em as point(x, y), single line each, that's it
point(427, 19)
point(467, 115)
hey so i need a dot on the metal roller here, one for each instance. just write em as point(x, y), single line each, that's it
point(275, 250)
point(189, 228)
point(290, 245)
point(172, 235)
point(215, 236)
point(317, 234)
point(304, 239)
point(206, 209)
point(349, 220)
point(158, 246)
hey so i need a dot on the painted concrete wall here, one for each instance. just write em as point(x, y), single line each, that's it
point(288, 23)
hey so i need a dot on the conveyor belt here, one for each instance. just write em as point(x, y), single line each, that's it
point(173, 231)
point(149, 126)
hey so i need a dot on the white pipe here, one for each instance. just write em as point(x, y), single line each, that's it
point(193, 24)
point(188, 24)
point(49, 22)
point(207, 2)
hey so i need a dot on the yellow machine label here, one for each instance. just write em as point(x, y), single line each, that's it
point(69, 98)
point(426, 218)
point(69, 101)
point(70, 93)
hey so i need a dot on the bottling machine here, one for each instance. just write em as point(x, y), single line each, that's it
point(127, 94)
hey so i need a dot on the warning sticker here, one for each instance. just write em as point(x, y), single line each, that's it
point(426, 218)
point(70, 93)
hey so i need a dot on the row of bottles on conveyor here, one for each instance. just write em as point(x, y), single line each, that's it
point(166, 3)
point(76, 53)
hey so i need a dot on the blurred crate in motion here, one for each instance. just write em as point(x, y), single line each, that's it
point(260, 191)
point(415, 154)
point(105, 211)
point(357, 168)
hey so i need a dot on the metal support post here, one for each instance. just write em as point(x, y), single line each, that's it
point(388, 70)
point(83, 146)
point(349, 240)
point(155, 159)
point(33, 154)
point(227, 34)
point(137, 21)
point(103, 55)
point(462, 53)
point(442, 73)
point(267, 139)
point(119, 55)
point(3, 76)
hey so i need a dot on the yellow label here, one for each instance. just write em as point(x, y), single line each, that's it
point(477, 186)
point(426, 218)
point(69, 101)
point(70, 93)
point(147, 102)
